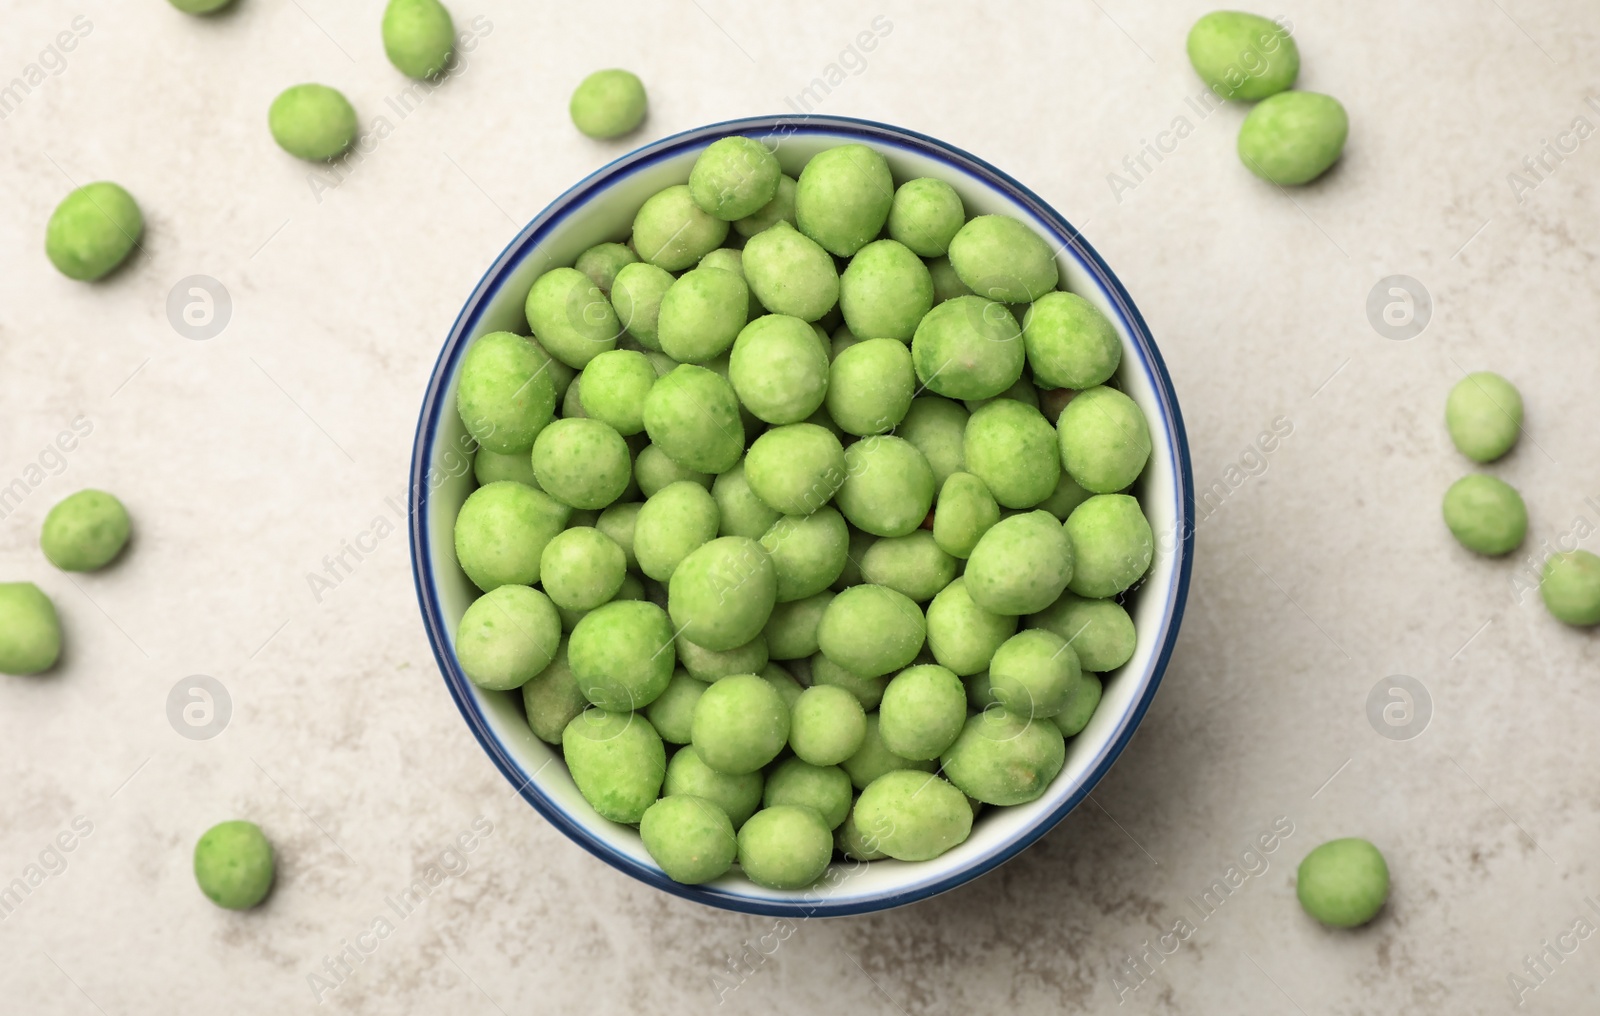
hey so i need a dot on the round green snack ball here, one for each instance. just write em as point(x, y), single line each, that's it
point(1012, 448)
point(671, 232)
point(608, 104)
point(501, 532)
point(1243, 56)
point(784, 683)
point(552, 698)
point(30, 632)
point(676, 521)
point(824, 789)
point(1104, 439)
point(842, 198)
point(965, 511)
point(616, 384)
point(968, 347)
point(1035, 673)
point(870, 386)
point(808, 552)
point(85, 531)
point(742, 510)
point(855, 844)
point(1485, 515)
point(737, 796)
point(1099, 631)
point(1069, 343)
point(963, 635)
point(874, 758)
point(1021, 564)
point(791, 631)
point(827, 725)
point(702, 314)
point(1068, 495)
point(1001, 758)
point(947, 285)
point(1022, 392)
point(888, 486)
point(1080, 709)
point(778, 369)
point(1570, 588)
point(795, 469)
point(489, 466)
point(619, 522)
point(730, 259)
point(922, 711)
point(507, 637)
point(692, 414)
point(734, 178)
point(926, 215)
point(418, 37)
point(790, 273)
point(713, 665)
point(583, 463)
point(234, 864)
point(871, 630)
point(1343, 883)
point(885, 291)
point(740, 724)
point(571, 317)
point(721, 595)
point(672, 712)
point(690, 837)
point(1484, 416)
point(912, 816)
point(636, 295)
point(621, 653)
point(93, 230)
point(603, 262)
point(1112, 545)
point(617, 760)
point(655, 471)
point(200, 6)
point(999, 257)
point(313, 122)
point(786, 847)
point(911, 564)
point(505, 395)
point(581, 568)
point(779, 209)
point(1293, 137)
point(937, 427)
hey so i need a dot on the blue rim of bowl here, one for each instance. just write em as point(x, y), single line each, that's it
point(434, 403)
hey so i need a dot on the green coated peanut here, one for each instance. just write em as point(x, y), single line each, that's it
point(93, 230)
point(617, 760)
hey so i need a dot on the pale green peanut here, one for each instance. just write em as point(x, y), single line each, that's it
point(968, 347)
point(507, 637)
point(888, 486)
point(721, 595)
point(710, 665)
point(738, 796)
point(617, 760)
point(867, 690)
point(622, 655)
point(827, 725)
point(615, 386)
point(842, 198)
point(1243, 56)
point(1485, 515)
point(926, 215)
point(885, 291)
point(1068, 495)
point(1343, 883)
point(740, 724)
point(796, 469)
point(743, 513)
point(913, 816)
point(619, 522)
point(947, 285)
point(636, 295)
point(501, 531)
point(778, 369)
point(807, 551)
point(734, 177)
point(1035, 673)
point(1021, 564)
point(93, 230)
point(860, 543)
point(489, 466)
point(313, 122)
point(572, 319)
point(702, 314)
point(1293, 137)
point(871, 630)
point(963, 635)
point(870, 386)
point(1080, 709)
point(785, 847)
point(1111, 543)
point(1000, 258)
point(731, 259)
point(850, 841)
point(671, 232)
point(582, 568)
point(1484, 416)
point(912, 564)
point(1005, 759)
point(1022, 392)
point(1069, 342)
point(30, 631)
point(551, 698)
point(1099, 631)
point(505, 394)
point(655, 470)
point(922, 711)
point(1104, 440)
point(85, 531)
point(200, 6)
point(841, 339)
point(791, 631)
point(572, 402)
point(583, 463)
point(824, 789)
point(779, 209)
point(672, 712)
point(690, 837)
point(790, 273)
point(602, 262)
point(234, 864)
point(608, 104)
point(980, 695)
point(874, 758)
point(676, 520)
point(1570, 588)
point(783, 682)
point(937, 427)
point(692, 414)
point(965, 511)
point(1012, 448)
point(418, 37)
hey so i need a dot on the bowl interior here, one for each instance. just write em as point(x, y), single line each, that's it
point(601, 209)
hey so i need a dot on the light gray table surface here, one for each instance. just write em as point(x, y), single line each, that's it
point(249, 457)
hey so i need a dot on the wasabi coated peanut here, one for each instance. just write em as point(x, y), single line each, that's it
point(778, 370)
point(677, 519)
point(779, 209)
point(926, 215)
point(911, 564)
point(827, 725)
point(551, 698)
point(581, 568)
point(841, 339)
point(729, 259)
point(1021, 564)
point(740, 724)
point(1484, 416)
point(671, 232)
point(850, 841)
point(1104, 440)
point(968, 347)
point(1112, 545)
point(743, 512)
point(506, 395)
point(738, 796)
point(313, 122)
point(1343, 883)
point(1034, 674)
point(808, 552)
point(574, 321)
point(619, 522)
point(1293, 137)
point(936, 426)
point(947, 285)
point(842, 198)
point(690, 837)
point(1005, 759)
point(672, 712)
point(867, 690)
point(616, 384)
point(721, 595)
point(30, 632)
point(692, 414)
point(234, 864)
point(85, 531)
point(702, 314)
point(418, 37)
point(785, 847)
point(795, 469)
point(617, 760)
point(963, 635)
point(507, 637)
point(913, 816)
point(860, 543)
point(870, 386)
point(1068, 495)
point(791, 631)
point(608, 104)
point(200, 6)
point(501, 531)
point(1012, 448)
point(888, 486)
point(1080, 709)
point(1022, 392)
point(1001, 258)
point(1069, 342)
point(871, 630)
point(655, 470)
point(965, 511)
point(885, 291)
point(874, 758)
point(1243, 56)
point(979, 695)
point(636, 294)
point(1485, 515)
point(1570, 588)
point(783, 682)
point(734, 178)
point(1099, 631)
point(790, 273)
point(603, 262)
point(93, 230)
point(583, 463)
point(710, 665)
point(489, 466)
point(621, 654)
point(824, 789)
point(922, 711)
